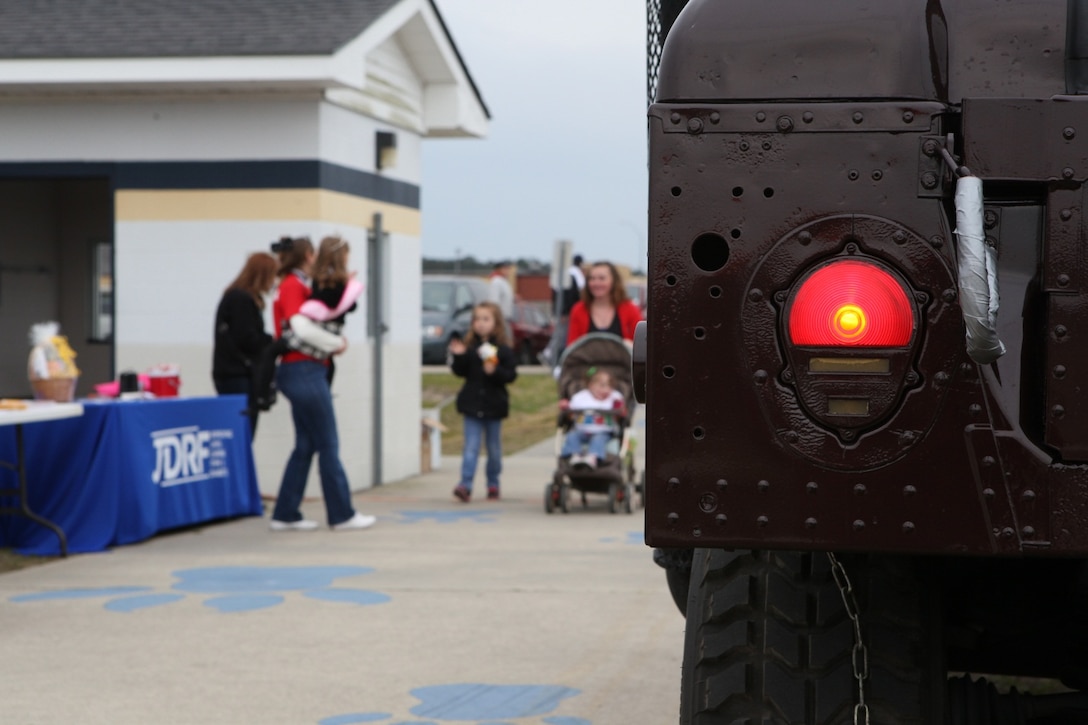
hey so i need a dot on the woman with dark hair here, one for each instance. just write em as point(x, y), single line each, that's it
point(604, 306)
point(239, 330)
point(303, 380)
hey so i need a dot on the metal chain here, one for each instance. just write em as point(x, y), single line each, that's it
point(859, 656)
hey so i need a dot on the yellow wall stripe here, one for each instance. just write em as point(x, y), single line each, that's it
point(262, 205)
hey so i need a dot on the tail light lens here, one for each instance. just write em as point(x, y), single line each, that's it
point(851, 303)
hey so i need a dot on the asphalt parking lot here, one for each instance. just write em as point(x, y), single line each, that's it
point(491, 613)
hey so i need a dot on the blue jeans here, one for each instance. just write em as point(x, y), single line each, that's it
point(490, 429)
point(305, 385)
point(595, 443)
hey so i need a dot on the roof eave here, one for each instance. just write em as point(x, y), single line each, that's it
point(191, 74)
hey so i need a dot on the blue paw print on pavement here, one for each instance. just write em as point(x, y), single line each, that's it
point(479, 704)
point(442, 516)
point(241, 588)
point(633, 537)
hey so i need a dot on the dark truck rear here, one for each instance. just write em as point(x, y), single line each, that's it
point(866, 357)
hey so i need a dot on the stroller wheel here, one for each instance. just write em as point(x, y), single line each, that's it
point(614, 496)
point(628, 494)
point(564, 496)
point(551, 495)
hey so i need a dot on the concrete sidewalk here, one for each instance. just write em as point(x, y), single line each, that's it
point(491, 613)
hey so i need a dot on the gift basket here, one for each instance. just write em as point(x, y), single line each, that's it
point(52, 365)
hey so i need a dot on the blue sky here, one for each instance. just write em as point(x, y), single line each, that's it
point(565, 82)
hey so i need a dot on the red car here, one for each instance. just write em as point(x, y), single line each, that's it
point(532, 328)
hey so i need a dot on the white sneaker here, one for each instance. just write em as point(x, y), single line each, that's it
point(356, 522)
point(300, 525)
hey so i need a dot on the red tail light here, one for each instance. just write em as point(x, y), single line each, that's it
point(851, 303)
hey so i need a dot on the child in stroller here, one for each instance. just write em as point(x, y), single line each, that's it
point(601, 361)
point(596, 410)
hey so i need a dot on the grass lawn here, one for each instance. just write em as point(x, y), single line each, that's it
point(533, 410)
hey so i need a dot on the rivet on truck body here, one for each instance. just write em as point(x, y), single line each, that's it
point(695, 125)
point(784, 124)
point(1059, 371)
point(908, 527)
point(859, 525)
point(1028, 495)
point(1069, 133)
point(1065, 214)
point(810, 523)
point(1067, 173)
point(988, 493)
point(762, 521)
point(1063, 280)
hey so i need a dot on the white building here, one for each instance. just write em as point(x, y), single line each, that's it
point(148, 146)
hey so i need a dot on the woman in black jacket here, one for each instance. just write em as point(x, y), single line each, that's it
point(239, 330)
point(486, 362)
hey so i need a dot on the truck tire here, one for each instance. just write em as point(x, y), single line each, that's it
point(768, 640)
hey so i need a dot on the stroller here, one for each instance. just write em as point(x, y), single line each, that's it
point(615, 475)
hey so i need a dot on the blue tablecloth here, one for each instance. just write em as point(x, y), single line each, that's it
point(125, 470)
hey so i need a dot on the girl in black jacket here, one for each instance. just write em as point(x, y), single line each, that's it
point(486, 362)
point(239, 330)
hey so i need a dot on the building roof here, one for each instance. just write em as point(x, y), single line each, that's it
point(181, 28)
point(76, 48)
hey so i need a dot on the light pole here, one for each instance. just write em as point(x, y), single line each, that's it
point(639, 240)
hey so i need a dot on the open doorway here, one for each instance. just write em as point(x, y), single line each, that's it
point(56, 264)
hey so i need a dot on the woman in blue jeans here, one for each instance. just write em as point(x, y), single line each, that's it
point(303, 380)
point(486, 362)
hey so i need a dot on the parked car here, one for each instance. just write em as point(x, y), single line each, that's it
point(532, 330)
point(447, 310)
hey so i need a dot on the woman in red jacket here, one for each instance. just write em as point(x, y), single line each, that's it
point(604, 306)
point(303, 380)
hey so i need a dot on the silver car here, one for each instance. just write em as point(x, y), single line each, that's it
point(447, 311)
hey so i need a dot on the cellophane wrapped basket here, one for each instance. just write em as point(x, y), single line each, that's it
point(52, 365)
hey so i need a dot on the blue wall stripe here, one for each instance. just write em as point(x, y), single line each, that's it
point(298, 174)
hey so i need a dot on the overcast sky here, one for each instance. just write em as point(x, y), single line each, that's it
point(565, 158)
